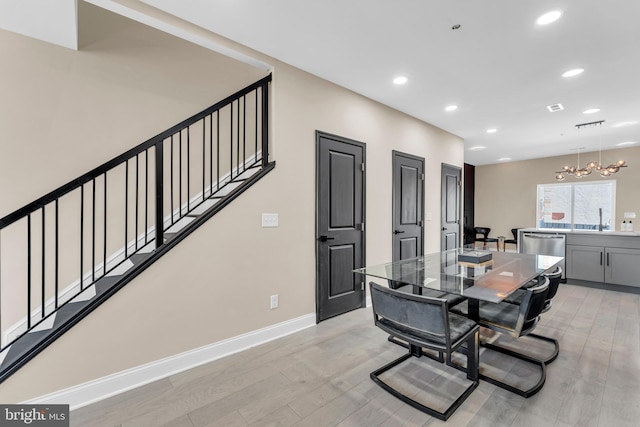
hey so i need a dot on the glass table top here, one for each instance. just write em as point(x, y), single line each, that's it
point(491, 280)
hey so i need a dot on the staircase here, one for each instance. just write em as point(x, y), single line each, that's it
point(118, 219)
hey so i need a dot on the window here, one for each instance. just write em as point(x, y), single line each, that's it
point(576, 206)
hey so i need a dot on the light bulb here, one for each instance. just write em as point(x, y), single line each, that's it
point(560, 177)
point(621, 162)
point(592, 164)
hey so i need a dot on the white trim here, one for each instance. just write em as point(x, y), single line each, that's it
point(111, 385)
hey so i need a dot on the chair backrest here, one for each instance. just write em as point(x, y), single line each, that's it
point(483, 230)
point(531, 306)
point(398, 313)
point(554, 282)
point(514, 231)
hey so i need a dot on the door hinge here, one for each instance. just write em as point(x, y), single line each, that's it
point(419, 223)
point(362, 286)
point(422, 176)
point(362, 226)
point(362, 166)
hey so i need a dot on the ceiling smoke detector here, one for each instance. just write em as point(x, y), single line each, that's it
point(555, 107)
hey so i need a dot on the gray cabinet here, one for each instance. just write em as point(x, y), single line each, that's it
point(585, 263)
point(605, 264)
point(622, 266)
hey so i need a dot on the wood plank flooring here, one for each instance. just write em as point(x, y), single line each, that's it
point(320, 377)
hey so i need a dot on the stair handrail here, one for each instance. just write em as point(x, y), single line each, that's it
point(239, 163)
point(151, 142)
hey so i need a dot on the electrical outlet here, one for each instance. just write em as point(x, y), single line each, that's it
point(631, 215)
point(269, 219)
point(274, 301)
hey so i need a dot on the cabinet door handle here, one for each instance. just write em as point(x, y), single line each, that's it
point(607, 259)
point(600, 257)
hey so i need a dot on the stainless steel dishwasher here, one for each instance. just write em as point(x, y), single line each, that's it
point(544, 244)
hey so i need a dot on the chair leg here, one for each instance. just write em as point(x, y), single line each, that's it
point(521, 392)
point(519, 355)
point(524, 393)
point(375, 376)
point(556, 345)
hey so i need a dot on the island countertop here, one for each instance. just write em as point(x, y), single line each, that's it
point(578, 232)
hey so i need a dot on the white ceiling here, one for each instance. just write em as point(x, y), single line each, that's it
point(499, 67)
point(52, 21)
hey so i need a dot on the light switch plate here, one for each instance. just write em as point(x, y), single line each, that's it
point(269, 219)
point(631, 215)
point(429, 216)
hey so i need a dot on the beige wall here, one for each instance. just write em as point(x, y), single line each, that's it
point(505, 194)
point(216, 284)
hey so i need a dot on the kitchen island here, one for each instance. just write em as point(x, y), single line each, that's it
point(607, 258)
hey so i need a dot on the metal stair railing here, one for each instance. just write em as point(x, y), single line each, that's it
point(55, 250)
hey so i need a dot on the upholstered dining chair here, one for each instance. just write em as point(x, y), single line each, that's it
point(515, 320)
point(425, 323)
point(554, 279)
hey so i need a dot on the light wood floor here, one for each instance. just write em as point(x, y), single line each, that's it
point(320, 377)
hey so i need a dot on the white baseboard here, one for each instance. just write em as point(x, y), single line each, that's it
point(111, 385)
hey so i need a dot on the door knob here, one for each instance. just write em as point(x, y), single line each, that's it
point(398, 232)
point(444, 228)
point(325, 238)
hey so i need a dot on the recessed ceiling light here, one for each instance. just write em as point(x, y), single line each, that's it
point(400, 80)
point(477, 148)
point(591, 111)
point(573, 72)
point(622, 144)
point(555, 107)
point(451, 108)
point(503, 159)
point(621, 124)
point(492, 130)
point(549, 17)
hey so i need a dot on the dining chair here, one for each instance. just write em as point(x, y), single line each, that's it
point(452, 300)
point(513, 241)
point(515, 320)
point(483, 232)
point(516, 297)
point(425, 323)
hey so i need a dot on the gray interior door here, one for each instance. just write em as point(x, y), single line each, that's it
point(340, 219)
point(408, 206)
point(450, 218)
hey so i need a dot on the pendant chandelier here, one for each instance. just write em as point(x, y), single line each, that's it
point(579, 172)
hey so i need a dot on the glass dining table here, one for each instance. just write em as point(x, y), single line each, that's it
point(492, 280)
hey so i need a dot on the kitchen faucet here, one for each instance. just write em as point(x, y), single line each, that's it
point(600, 224)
